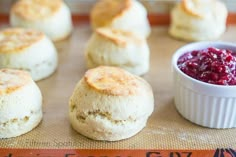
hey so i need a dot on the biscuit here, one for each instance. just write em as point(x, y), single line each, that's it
point(20, 103)
point(52, 17)
point(196, 20)
point(110, 104)
point(113, 47)
point(28, 50)
point(129, 15)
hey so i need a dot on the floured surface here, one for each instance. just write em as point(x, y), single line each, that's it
point(165, 129)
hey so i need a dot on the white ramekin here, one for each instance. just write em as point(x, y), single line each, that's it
point(205, 104)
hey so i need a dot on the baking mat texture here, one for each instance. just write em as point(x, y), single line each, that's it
point(166, 128)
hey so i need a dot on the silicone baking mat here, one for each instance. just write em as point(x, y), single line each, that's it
point(166, 129)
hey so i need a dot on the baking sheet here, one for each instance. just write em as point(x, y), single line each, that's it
point(166, 128)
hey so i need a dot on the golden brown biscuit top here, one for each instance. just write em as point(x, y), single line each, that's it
point(11, 80)
point(17, 39)
point(36, 9)
point(105, 11)
point(198, 8)
point(112, 81)
point(119, 37)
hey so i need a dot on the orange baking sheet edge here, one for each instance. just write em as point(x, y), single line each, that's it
point(115, 153)
point(155, 19)
point(164, 19)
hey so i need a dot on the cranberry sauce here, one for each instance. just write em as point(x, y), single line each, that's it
point(211, 65)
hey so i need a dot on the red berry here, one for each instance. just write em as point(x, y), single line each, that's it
point(212, 65)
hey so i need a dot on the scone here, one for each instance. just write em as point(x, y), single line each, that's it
point(110, 104)
point(113, 47)
point(129, 15)
point(197, 20)
point(28, 50)
point(52, 17)
point(20, 103)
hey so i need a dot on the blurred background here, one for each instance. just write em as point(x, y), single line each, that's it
point(84, 6)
